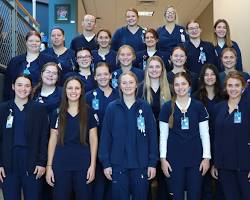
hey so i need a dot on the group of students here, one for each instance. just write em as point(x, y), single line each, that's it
point(139, 107)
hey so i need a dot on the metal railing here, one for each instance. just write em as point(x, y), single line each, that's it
point(15, 22)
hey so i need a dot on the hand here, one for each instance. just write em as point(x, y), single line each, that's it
point(2, 174)
point(108, 173)
point(151, 173)
point(90, 174)
point(50, 176)
point(39, 171)
point(214, 172)
point(204, 166)
point(166, 168)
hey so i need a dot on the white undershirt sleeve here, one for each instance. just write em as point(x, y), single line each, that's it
point(205, 139)
point(164, 131)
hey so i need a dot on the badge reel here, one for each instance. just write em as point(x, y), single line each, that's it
point(202, 57)
point(184, 123)
point(114, 81)
point(10, 119)
point(95, 102)
point(183, 39)
point(144, 62)
point(141, 123)
point(237, 117)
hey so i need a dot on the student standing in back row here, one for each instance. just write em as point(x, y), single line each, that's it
point(23, 143)
point(128, 144)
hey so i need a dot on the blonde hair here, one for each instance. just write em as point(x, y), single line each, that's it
point(164, 85)
point(228, 40)
point(171, 6)
point(123, 47)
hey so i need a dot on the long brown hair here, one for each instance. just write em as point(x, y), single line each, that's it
point(82, 111)
point(228, 40)
point(171, 117)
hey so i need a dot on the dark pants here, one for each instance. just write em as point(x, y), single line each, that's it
point(129, 183)
point(235, 184)
point(19, 178)
point(68, 181)
point(187, 178)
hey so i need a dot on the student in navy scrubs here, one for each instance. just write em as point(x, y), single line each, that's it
point(87, 39)
point(128, 144)
point(178, 60)
point(209, 93)
point(170, 34)
point(104, 53)
point(84, 69)
point(23, 143)
point(125, 58)
point(199, 51)
point(232, 140)
point(222, 40)
point(155, 90)
point(98, 99)
point(47, 92)
point(131, 34)
point(29, 63)
point(151, 38)
point(184, 141)
point(72, 145)
point(64, 56)
point(229, 60)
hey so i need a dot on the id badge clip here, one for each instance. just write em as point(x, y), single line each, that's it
point(95, 102)
point(237, 117)
point(141, 123)
point(10, 120)
point(184, 123)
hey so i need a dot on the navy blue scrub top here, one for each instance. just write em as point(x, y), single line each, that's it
point(103, 102)
point(194, 64)
point(124, 36)
point(52, 101)
point(67, 60)
point(184, 146)
point(110, 58)
point(72, 155)
point(218, 51)
point(89, 82)
point(232, 140)
point(81, 42)
point(142, 57)
point(18, 64)
point(167, 41)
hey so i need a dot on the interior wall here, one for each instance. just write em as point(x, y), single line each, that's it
point(237, 15)
point(206, 22)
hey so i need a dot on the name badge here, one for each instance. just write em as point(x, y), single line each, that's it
point(183, 39)
point(202, 57)
point(95, 104)
point(141, 123)
point(26, 71)
point(9, 122)
point(184, 123)
point(144, 63)
point(237, 117)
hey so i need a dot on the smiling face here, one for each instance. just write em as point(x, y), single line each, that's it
point(125, 56)
point(22, 88)
point(234, 88)
point(84, 59)
point(209, 77)
point(181, 86)
point(128, 85)
point(57, 38)
point(228, 60)
point(103, 39)
point(73, 90)
point(170, 15)
point(221, 30)
point(50, 75)
point(150, 40)
point(178, 58)
point(33, 44)
point(102, 76)
point(131, 18)
point(154, 69)
point(194, 30)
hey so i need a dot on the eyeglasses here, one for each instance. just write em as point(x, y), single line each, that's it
point(170, 13)
point(48, 72)
point(193, 28)
point(83, 57)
